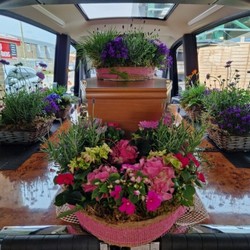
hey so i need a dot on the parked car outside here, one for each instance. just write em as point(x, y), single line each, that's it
point(21, 77)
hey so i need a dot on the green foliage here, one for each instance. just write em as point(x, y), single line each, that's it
point(65, 99)
point(72, 142)
point(193, 96)
point(22, 108)
point(93, 45)
point(141, 52)
point(218, 100)
point(59, 90)
point(173, 138)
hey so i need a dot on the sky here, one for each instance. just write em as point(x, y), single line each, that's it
point(10, 26)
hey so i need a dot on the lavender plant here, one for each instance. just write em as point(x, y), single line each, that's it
point(235, 120)
point(133, 48)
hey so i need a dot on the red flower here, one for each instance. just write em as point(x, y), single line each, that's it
point(184, 160)
point(65, 179)
point(113, 124)
point(192, 158)
point(201, 177)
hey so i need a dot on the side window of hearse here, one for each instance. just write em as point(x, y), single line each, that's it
point(27, 55)
point(223, 53)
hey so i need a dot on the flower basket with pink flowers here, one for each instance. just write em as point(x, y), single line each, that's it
point(138, 186)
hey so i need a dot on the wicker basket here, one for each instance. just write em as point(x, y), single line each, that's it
point(129, 234)
point(228, 142)
point(25, 137)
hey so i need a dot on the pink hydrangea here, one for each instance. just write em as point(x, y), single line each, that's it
point(160, 176)
point(101, 174)
point(123, 152)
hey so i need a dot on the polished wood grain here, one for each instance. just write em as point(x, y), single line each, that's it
point(127, 103)
point(27, 194)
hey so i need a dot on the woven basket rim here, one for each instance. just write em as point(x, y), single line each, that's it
point(131, 224)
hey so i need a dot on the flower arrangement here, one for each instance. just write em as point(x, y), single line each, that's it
point(107, 174)
point(111, 48)
point(228, 109)
point(25, 111)
point(60, 101)
point(229, 105)
point(23, 118)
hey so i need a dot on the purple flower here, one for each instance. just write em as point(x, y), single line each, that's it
point(52, 103)
point(40, 75)
point(235, 120)
point(115, 50)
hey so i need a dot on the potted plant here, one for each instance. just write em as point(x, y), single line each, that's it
point(229, 111)
point(191, 99)
point(127, 191)
point(62, 99)
point(24, 118)
point(124, 55)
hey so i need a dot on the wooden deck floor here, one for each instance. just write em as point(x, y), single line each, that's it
point(27, 194)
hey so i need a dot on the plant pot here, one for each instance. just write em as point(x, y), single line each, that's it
point(129, 234)
point(125, 73)
point(24, 136)
point(228, 142)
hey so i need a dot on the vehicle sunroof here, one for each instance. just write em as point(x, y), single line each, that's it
point(126, 10)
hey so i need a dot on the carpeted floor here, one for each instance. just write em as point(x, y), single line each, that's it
point(13, 155)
